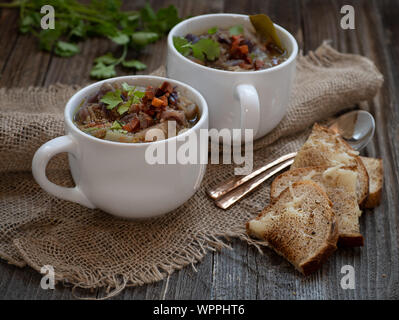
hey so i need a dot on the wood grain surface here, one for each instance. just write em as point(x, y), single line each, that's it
point(243, 273)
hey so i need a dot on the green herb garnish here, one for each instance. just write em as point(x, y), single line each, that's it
point(206, 48)
point(212, 30)
point(112, 99)
point(125, 107)
point(139, 94)
point(75, 21)
point(182, 45)
point(66, 49)
point(236, 30)
point(116, 125)
point(203, 49)
point(102, 71)
point(127, 88)
point(134, 96)
point(134, 64)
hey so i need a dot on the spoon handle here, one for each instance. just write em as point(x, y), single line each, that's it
point(225, 187)
point(232, 197)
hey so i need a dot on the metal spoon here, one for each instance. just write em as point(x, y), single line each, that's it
point(356, 127)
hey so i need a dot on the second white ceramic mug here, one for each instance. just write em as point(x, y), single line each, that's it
point(255, 100)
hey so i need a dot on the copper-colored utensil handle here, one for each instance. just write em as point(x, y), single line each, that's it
point(235, 182)
point(232, 197)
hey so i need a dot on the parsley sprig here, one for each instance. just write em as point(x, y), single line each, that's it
point(75, 22)
point(203, 49)
point(114, 99)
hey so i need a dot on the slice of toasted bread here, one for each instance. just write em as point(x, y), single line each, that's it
point(326, 148)
point(299, 225)
point(375, 171)
point(339, 183)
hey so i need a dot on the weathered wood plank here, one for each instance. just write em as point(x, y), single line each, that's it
point(26, 65)
point(8, 36)
point(388, 144)
point(24, 284)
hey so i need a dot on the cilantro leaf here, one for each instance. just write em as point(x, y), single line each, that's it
point(147, 13)
point(167, 18)
point(198, 53)
point(139, 94)
point(124, 107)
point(182, 45)
point(116, 125)
point(106, 59)
point(206, 48)
point(48, 37)
point(28, 22)
point(66, 49)
point(236, 30)
point(213, 30)
point(79, 30)
point(101, 71)
point(142, 38)
point(112, 99)
point(127, 88)
point(104, 29)
point(134, 64)
point(120, 38)
point(203, 49)
point(162, 21)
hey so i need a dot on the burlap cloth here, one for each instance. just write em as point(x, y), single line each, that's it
point(91, 249)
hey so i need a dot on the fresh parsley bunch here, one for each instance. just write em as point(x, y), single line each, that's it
point(75, 22)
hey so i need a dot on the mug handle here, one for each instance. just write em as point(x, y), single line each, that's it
point(250, 107)
point(39, 164)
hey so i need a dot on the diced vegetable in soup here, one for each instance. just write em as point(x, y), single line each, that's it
point(124, 113)
point(235, 48)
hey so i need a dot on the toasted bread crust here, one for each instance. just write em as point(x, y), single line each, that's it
point(373, 200)
point(374, 167)
point(344, 240)
point(315, 262)
point(364, 182)
point(363, 175)
point(350, 240)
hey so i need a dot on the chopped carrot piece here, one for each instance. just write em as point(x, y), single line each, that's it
point(164, 99)
point(156, 102)
point(233, 48)
point(127, 127)
point(244, 49)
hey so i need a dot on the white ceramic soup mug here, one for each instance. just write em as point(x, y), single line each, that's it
point(116, 177)
point(255, 100)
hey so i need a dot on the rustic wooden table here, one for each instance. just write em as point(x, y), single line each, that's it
point(242, 273)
